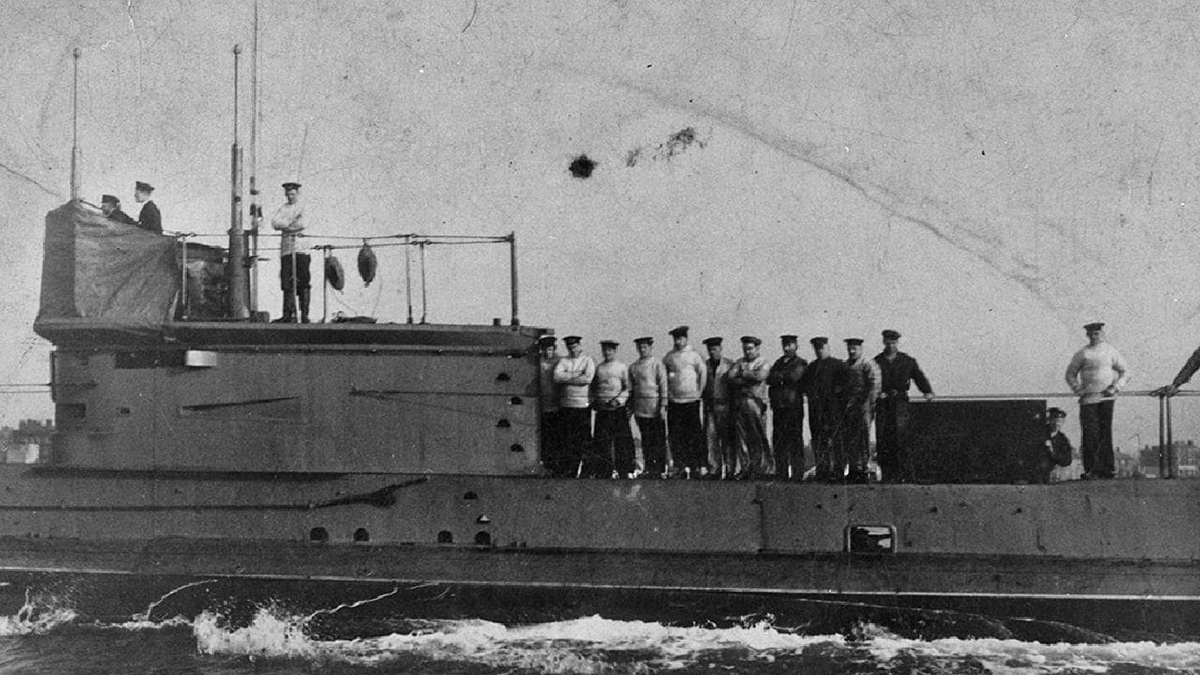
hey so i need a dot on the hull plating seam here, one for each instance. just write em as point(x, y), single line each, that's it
point(416, 583)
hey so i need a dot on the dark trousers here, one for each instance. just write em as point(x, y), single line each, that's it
point(820, 414)
point(750, 432)
point(612, 448)
point(891, 438)
point(654, 444)
point(787, 437)
point(552, 457)
point(1097, 445)
point(723, 453)
point(854, 440)
point(303, 278)
point(576, 426)
point(295, 286)
point(685, 431)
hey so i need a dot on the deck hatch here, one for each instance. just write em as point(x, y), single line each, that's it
point(870, 539)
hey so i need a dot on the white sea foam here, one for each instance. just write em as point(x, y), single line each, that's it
point(35, 617)
point(1009, 657)
point(598, 645)
point(586, 645)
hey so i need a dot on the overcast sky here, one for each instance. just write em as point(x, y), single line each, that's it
point(984, 178)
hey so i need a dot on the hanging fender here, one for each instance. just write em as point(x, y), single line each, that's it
point(367, 263)
point(334, 275)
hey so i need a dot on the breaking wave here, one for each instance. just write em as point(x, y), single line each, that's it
point(36, 617)
point(598, 645)
point(592, 644)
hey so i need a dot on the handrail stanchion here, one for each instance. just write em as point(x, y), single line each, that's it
point(512, 268)
point(408, 274)
point(1162, 436)
point(1170, 443)
point(183, 294)
point(324, 285)
point(424, 302)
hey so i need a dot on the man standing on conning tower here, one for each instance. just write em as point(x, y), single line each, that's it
point(1096, 373)
point(293, 267)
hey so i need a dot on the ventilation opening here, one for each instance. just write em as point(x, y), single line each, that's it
point(361, 535)
point(470, 495)
point(503, 377)
point(871, 539)
point(483, 539)
point(319, 535)
point(517, 447)
point(503, 424)
point(516, 400)
point(444, 537)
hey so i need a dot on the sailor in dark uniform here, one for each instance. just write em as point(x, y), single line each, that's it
point(787, 410)
point(1058, 446)
point(822, 379)
point(149, 219)
point(111, 206)
point(549, 394)
point(899, 371)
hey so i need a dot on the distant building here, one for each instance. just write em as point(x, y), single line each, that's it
point(1187, 458)
point(28, 443)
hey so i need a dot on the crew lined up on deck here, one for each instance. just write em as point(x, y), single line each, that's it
point(711, 412)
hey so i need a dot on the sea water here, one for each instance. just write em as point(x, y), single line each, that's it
point(56, 640)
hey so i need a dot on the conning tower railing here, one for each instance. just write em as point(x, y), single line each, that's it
point(410, 241)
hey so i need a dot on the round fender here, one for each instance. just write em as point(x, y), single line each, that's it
point(334, 275)
point(367, 263)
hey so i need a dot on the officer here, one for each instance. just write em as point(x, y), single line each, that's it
point(1058, 446)
point(723, 453)
point(574, 374)
point(821, 385)
point(612, 449)
point(149, 218)
point(787, 410)
point(860, 390)
point(648, 378)
point(747, 383)
point(111, 206)
point(899, 371)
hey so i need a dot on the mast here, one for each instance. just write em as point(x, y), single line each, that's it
point(237, 244)
point(255, 207)
point(76, 156)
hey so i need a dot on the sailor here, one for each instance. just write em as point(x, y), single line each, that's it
point(821, 386)
point(149, 218)
point(787, 410)
point(549, 394)
point(1058, 446)
point(1185, 373)
point(1096, 374)
point(293, 268)
point(686, 377)
point(111, 206)
point(718, 426)
point(574, 374)
point(648, 378)
point(747, 383)
point(899, 371)
point(612, 450)
point(860, 389)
